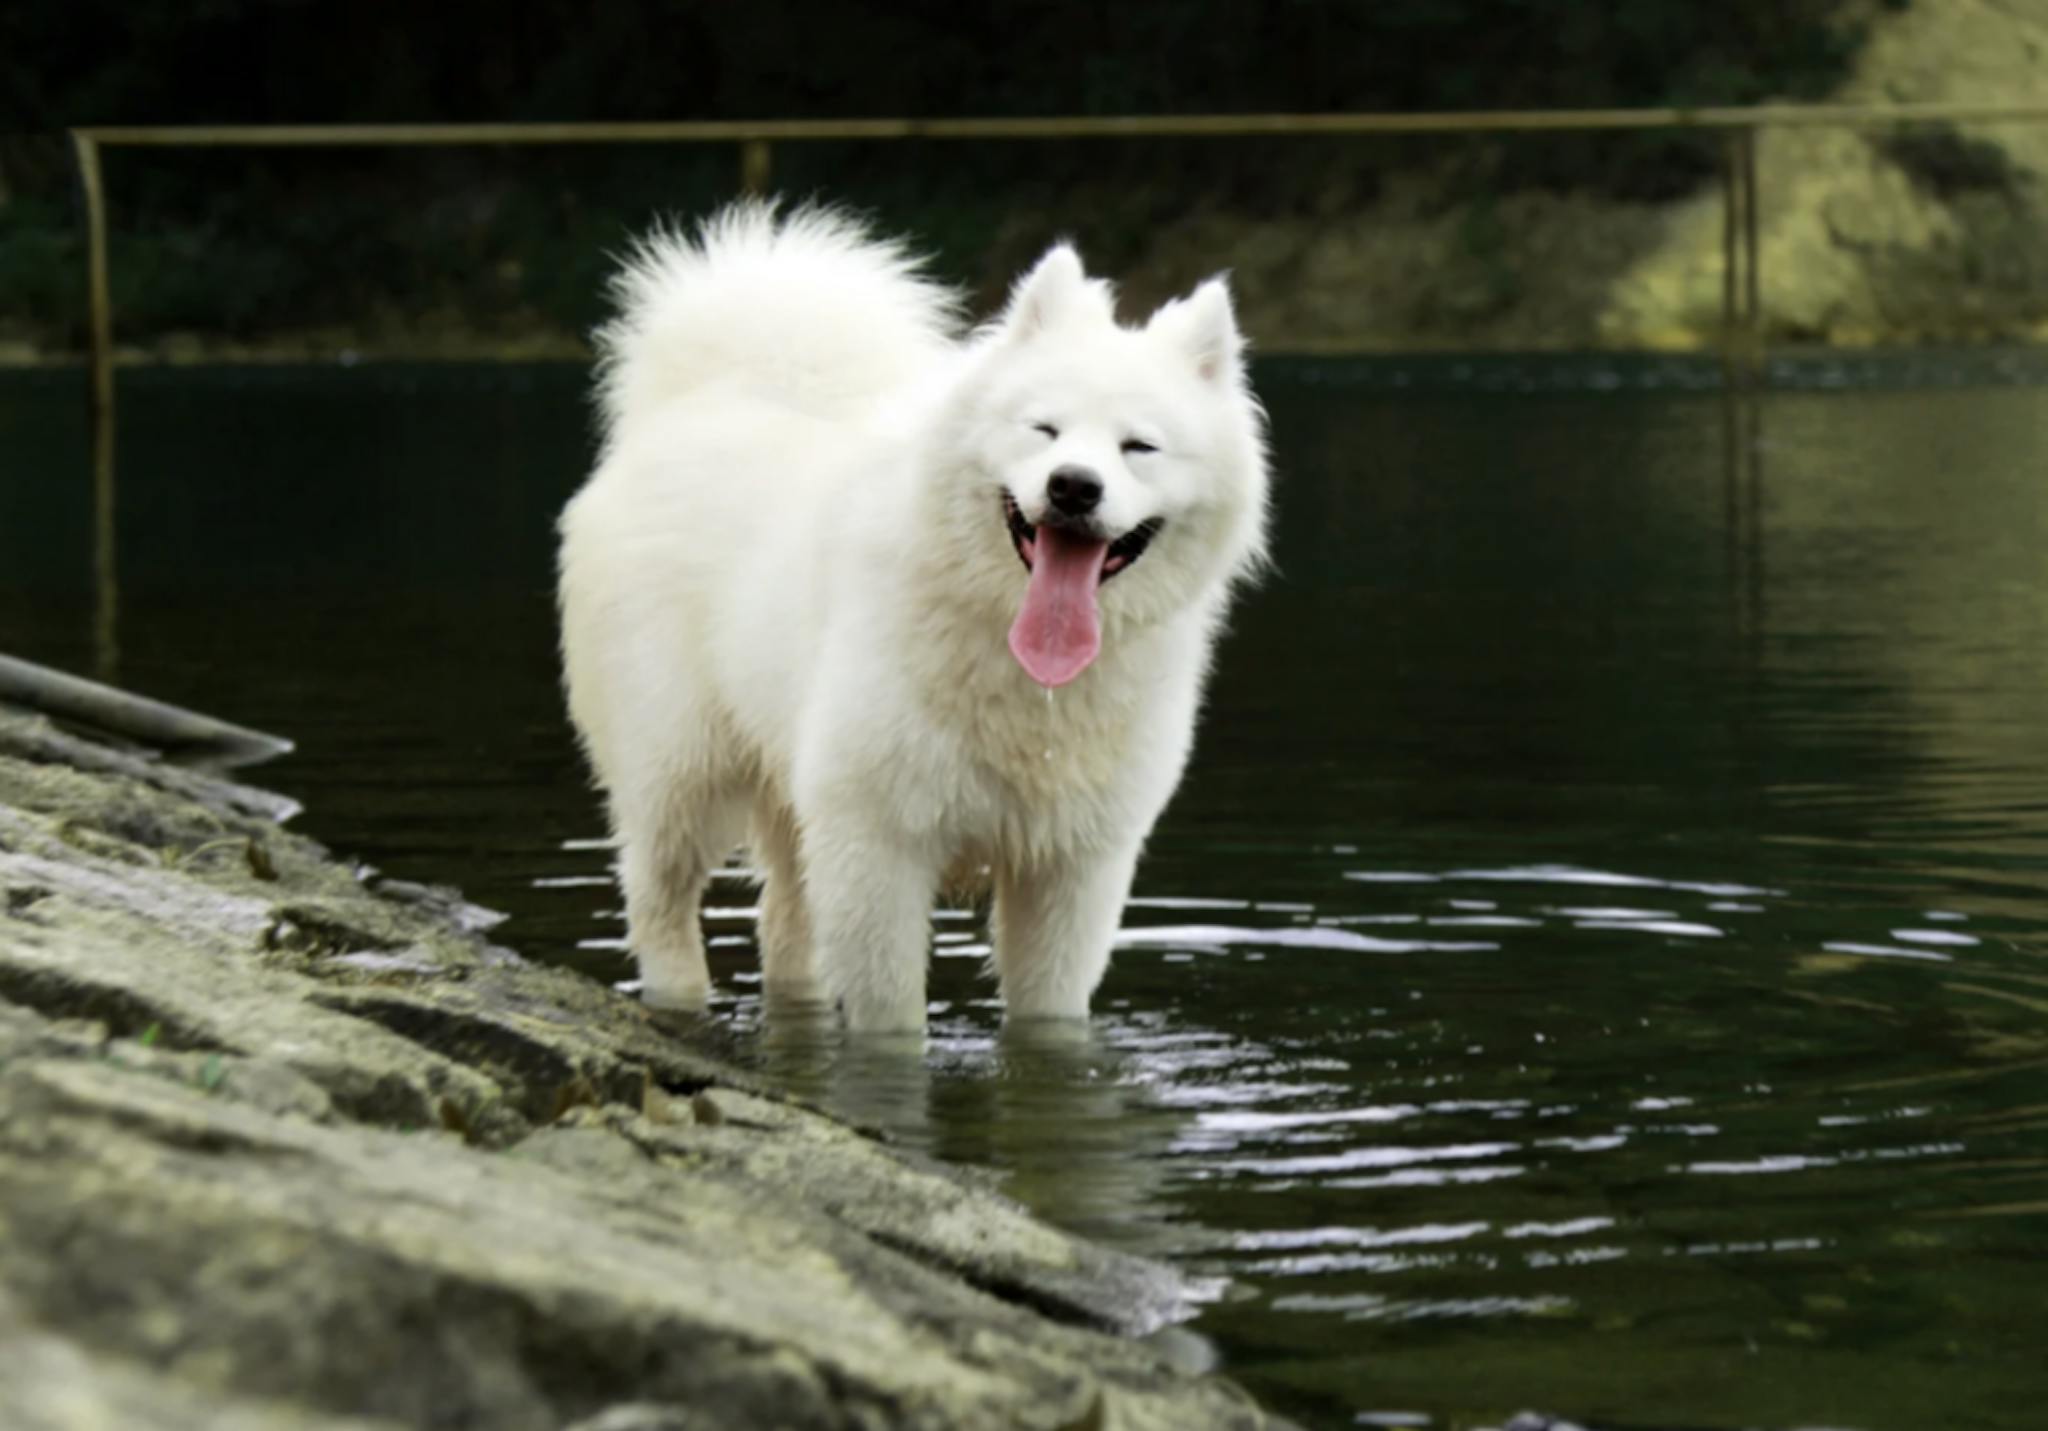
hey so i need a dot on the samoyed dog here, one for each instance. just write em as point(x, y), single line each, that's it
point(890, 602)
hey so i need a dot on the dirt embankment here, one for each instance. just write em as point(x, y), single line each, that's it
point(1888, 235)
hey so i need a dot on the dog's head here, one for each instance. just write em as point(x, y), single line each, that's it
point(1115, 474)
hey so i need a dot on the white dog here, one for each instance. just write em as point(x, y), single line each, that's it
point(832, 566)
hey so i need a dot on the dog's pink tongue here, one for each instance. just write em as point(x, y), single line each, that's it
point(1057, 631)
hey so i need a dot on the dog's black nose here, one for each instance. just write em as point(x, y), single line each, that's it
point(1076, 491)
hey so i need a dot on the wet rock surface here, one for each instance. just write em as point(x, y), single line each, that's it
point(281, 1146)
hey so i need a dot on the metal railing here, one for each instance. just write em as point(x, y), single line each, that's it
point(1741, 290)
point(755, 139)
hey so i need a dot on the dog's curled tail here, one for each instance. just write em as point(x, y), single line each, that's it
point(806, 307)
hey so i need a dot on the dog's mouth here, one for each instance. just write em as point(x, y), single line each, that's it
point(1123, 552)
point(1058, 630)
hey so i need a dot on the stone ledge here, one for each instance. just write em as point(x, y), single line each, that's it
point(283, 1148)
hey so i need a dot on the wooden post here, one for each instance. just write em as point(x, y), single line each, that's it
point(98, 296)
point(1742, 309)
point(100, 305)
point(757, 165)
point(1731, 278)
point(106, 585)
point(1752, 270)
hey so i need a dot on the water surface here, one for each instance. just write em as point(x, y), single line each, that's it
point(1599, 960)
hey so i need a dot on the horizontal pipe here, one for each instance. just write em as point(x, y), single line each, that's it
point(1136, 126)
point(173, 729)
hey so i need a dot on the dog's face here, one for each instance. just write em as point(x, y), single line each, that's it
point(1118, 474)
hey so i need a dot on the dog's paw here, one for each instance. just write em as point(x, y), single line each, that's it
point(677, 996)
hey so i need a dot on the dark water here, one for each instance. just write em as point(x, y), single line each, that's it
point(1598, 962)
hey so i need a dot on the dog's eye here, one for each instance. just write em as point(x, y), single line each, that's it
point(1047, 428)
point(1134, 445)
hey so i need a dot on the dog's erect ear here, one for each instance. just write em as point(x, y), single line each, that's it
point(1204, 326)
point(1053, 287)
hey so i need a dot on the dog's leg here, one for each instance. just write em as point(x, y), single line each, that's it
point(667, 851)
point(789, 966)
point(870, 896)
point(1053, 925)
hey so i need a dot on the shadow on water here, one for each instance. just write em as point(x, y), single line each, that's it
point(1600, 957)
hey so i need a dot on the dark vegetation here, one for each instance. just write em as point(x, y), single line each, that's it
point(1949, 164)
point(244, 244)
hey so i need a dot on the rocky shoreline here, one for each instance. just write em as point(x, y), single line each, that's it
point(283, 1146)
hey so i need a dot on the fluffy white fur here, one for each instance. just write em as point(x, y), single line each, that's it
point(786, 590)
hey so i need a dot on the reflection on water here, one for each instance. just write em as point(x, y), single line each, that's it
point(1600, 961)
